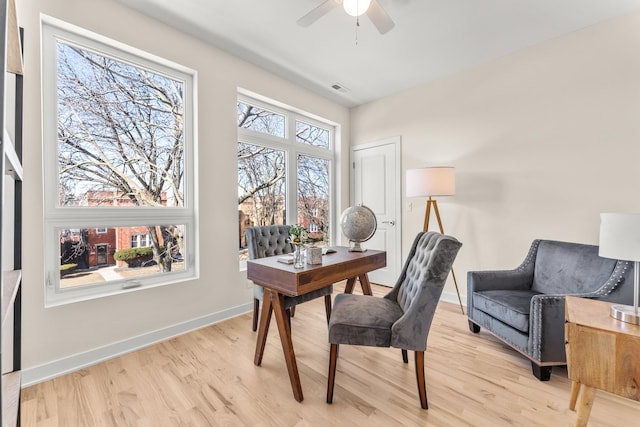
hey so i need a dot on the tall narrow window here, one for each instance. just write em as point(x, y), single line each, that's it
point(119, 150)
point(285, 165)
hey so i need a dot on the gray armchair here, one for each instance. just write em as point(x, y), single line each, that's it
point(402, 318)
point(525, 307)
point(271, 240)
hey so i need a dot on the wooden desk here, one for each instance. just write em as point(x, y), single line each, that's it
point(280, 280)
point(602, 353)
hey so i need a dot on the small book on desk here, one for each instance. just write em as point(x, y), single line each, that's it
point(285, 259)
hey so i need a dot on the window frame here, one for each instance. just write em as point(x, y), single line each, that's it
point(292, 149)
point(58, 217)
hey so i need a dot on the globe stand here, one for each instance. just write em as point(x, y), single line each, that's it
point(355, 247)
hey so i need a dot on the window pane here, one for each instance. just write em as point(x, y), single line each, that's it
point(313, 196)
point(88, 257)
point(312, 135)
point(120, 133)
point(259, 120)
point(261, 189)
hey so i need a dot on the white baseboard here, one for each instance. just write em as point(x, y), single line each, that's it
point(37, 374)
point(452, 298)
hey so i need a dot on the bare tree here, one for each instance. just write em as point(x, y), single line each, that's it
point(120, 130)
point(261, 170)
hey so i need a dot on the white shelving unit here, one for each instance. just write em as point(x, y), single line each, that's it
point(11, 213)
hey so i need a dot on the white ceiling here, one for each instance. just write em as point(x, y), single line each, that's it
point(431, 39)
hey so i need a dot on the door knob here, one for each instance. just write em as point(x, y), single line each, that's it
point(389, 222)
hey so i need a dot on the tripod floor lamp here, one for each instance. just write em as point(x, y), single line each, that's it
point(433, 182)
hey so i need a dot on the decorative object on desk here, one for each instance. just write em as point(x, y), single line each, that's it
point(298, 234)
point(433, 182)
point(314, 255)
point(298, 238)
point(620, 239)
point(358, 224)
point(298, 257)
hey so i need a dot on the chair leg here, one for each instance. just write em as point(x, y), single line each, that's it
point(543, 373)
point(473, 327)
point(405, 356)
point(333, 360)
point(422, 389)
point(256, 311)
point(327, 306)
point(292, 310)
point(289, 316)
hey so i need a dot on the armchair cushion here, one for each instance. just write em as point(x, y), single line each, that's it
point(511, 307)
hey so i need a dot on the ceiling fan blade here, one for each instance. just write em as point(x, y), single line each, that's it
point(318, 13)
point(379, 17)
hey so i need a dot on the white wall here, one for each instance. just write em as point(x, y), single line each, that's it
point(60, 338)
point(543, 140)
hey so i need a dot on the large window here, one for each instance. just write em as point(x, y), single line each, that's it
point(119, 146)
point(285, 166)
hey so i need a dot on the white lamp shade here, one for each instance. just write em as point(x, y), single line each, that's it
point(620, 236)
point(432, 181)
point(356, 7)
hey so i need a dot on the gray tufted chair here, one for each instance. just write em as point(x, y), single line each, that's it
point(271, 240)
point(402, 318)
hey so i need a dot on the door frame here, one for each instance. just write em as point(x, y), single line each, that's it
point(396, 141)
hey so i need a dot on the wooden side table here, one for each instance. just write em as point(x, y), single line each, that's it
point(602, 353)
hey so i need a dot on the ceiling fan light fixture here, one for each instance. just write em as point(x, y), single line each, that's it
point(356, 7)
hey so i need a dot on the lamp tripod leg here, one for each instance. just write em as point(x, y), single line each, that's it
point(426, 228)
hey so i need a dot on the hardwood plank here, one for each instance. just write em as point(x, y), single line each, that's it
point(207, 377)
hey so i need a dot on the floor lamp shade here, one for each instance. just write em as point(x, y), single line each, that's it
point(620, 239)
point(431, 181)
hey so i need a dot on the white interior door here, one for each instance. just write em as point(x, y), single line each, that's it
point(375, 183)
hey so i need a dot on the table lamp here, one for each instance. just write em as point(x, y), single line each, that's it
point(432, 182)
point(620, 239)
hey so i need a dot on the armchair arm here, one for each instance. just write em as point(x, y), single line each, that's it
point(496, 280)
point(546, 328)
point(518, 278)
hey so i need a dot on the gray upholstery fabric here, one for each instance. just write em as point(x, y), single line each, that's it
point(563, 267)
point(403, 317)
point(511, 307)
point(525, 307)
point(271, 240)
point(362, 320)
point(268, 240)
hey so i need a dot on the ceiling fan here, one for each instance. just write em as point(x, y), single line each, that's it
point(371, 8)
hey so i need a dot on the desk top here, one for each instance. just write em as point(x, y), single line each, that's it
point(335, 267)
point(595, 314)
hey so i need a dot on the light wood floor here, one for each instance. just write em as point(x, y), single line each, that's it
point(207, 378)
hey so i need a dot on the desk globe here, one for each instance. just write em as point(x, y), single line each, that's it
point(358, 224)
